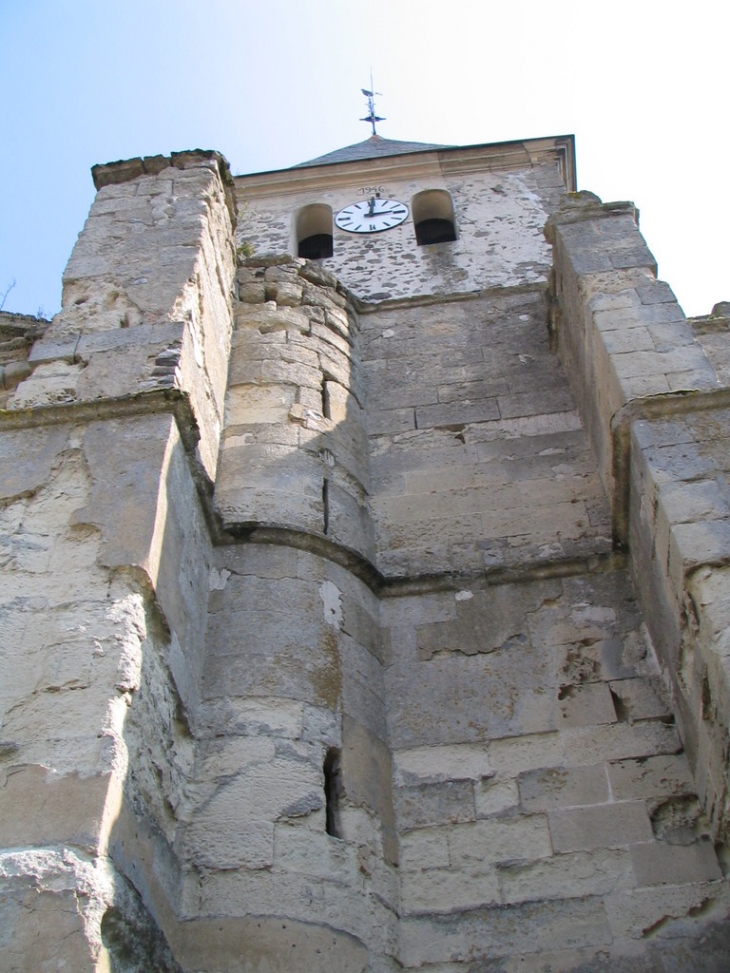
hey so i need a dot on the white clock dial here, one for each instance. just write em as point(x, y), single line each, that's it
point(372, 215)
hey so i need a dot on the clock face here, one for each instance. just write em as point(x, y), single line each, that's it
point(372, 215)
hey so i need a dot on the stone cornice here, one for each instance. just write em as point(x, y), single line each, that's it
point(498, 156)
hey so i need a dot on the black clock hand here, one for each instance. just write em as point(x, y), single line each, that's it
point(371, 211)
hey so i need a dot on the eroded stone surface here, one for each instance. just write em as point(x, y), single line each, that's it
point(373, 686)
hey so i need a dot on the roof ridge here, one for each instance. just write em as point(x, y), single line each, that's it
point(371, 148)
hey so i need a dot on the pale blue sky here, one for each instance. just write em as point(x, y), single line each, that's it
point(270, 84)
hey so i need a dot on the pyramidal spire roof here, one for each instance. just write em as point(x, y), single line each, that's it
point(373, 148)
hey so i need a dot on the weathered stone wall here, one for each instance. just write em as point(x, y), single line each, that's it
point(478, 457)
point(294, 451)
point(17, 334)
point(96, 618)
point(499, 218)
point(106, 573)
point(146, 301)
point(542, 798)
point(363, 622)
point(657, 412)
point(293, 670)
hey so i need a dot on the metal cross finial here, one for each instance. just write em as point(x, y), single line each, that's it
point(370, 95)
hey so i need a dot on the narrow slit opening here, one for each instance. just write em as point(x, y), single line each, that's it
point(325, 504)
point(326, 408)
point(332, 791)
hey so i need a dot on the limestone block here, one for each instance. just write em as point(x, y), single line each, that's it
point(711, 590)
point(441, 764)
point(484, 622)
point(57, 808)
point(252, 404)
point(441, 890)
point(401, 615)
point(688, 502)
point(93, 305)
point(686, 864)
point(407, 395)
point(284, 293)
point(499, 840)
point(283, 273)
point(44, 929)
point(251, 496)
point(371, 921)
point(361, 622)
point(236, 826)
point(324, 296)
point(225, 757)
point(543, 790)
point(626, 340)
point(453, 699)
point(635, 912)
point(655, 292)
point(348, 519)
point(260, 652)
point(390, 421)
point(605, 658)
point(672, 334)
point(40, 447)
point(447, 414)
point(536, 403)
point(128, 523)
point(239, 561)
point(367, 775)
point(585, 745)
point(532, 927)
point(58, 908)
point(320, 856)
point(619, 300)
point(293, 894)
point(637, 699)
point(434, 804)
point(516, 755)
point(424, 848)
point(329, 337)
point(49, 384)
point(650, 777)
point(495, 797)
point(567, 876)
point(252, 292)
point(586, 705)
point(363, 693)
point(697, 543)
point(340, 321)
point(600, 826)
point(159, 531)
point(648, 363)
point(255, 945)
point(281, 372)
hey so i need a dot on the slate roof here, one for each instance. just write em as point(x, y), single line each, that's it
point(372, 148)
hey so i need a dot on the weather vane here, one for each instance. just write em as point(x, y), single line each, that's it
point(370, 95)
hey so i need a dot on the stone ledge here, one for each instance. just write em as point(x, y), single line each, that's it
point(112, 173)
point(125, 170)
point(585, 205)
point(399, 587)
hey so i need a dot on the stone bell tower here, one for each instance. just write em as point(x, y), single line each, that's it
point(365, 593)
